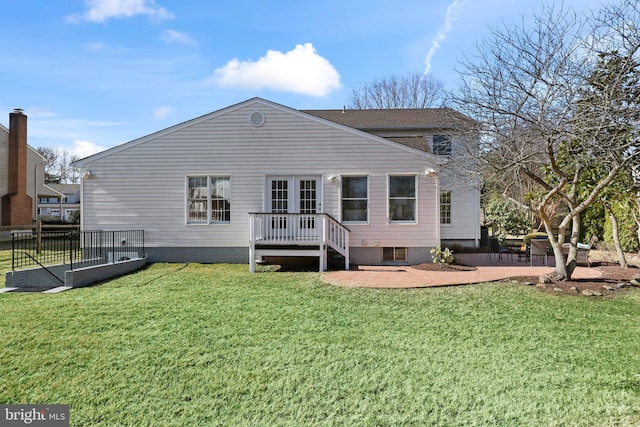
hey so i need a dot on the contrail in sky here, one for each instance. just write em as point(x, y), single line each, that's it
point(452, 14)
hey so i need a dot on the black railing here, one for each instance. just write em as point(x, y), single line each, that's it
point(74, 248)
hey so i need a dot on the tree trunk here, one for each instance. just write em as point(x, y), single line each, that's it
point(563, 270)
point(635, 210)
point(616, 238)
point(565, 263)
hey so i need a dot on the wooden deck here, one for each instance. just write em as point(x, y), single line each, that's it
point(295, 234)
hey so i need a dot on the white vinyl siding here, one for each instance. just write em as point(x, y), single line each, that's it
point(464, 210)
point(142, 184)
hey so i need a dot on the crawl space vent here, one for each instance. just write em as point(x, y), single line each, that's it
point(256, 119)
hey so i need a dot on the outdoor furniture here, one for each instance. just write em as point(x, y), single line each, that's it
point(538, 247)
point(496, 248)
point(522, 252)
point(582, 256)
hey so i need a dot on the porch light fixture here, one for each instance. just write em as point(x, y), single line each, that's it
point(430, 172)
point(87, 174)
point(332, 179)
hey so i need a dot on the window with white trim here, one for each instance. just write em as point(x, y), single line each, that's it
point(208, 199)
point(445, 207)
point(402, 198)
point(355, 198)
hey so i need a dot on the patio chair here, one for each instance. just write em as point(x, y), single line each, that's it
point(496, 248)
point(582, 256)
point(539, 247)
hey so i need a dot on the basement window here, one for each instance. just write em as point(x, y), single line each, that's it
point(394, 254)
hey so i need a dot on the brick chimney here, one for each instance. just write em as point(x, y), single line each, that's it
point(16, 204)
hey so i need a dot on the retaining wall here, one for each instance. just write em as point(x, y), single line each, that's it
point(39, 278)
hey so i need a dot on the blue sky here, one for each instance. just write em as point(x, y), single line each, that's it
point(92, 74)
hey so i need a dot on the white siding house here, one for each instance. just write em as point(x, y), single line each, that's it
point(258, 178)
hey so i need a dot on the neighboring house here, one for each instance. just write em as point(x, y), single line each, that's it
point(21, 174)
point(260, 179)
point(62, 207)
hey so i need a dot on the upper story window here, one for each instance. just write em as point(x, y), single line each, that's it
point(48, 200)
point(441, 145)
point(402, 198)
point(355, 199)
point(209, 200)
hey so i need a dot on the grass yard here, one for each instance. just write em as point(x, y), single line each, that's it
point(201, 345)
point(5, 264)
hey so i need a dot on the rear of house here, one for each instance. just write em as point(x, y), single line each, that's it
point(258, 179)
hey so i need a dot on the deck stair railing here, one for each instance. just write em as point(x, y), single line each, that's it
point(296, 231)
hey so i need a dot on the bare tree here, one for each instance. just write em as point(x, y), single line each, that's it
point(552, 100)
point(409, 91)
point(58, 169)
point(51, 156)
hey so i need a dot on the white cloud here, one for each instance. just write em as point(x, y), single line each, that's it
point(452, 14)
point(101, 10)
point(35, 112)
point(300, 70)
point(172, 36)
point(162, 112)
point(96, 46)
point(84, 149)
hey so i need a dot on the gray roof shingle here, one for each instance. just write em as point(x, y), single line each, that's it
point(394, 119)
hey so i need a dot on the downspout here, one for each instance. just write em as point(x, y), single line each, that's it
point(36, 210)
point(437, 205)
point(478, 218)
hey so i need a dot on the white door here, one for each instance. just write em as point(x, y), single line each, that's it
point(294, 195)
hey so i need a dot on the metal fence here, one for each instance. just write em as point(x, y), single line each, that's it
point(77, 248)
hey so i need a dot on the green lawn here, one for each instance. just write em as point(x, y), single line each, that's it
point(200, 345)
point(5, 264)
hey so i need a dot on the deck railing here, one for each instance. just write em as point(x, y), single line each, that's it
point(298, 230)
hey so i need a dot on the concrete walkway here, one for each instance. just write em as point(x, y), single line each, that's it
point(488, 270)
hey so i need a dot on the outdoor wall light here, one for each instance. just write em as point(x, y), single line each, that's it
point(430, 172)
point(87, 174)
point(332, 179)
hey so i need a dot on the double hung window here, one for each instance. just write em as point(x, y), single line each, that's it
point(355, 199)
point(402, 198)
point(209, 199)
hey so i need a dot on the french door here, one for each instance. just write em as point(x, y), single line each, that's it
point(299, 195)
